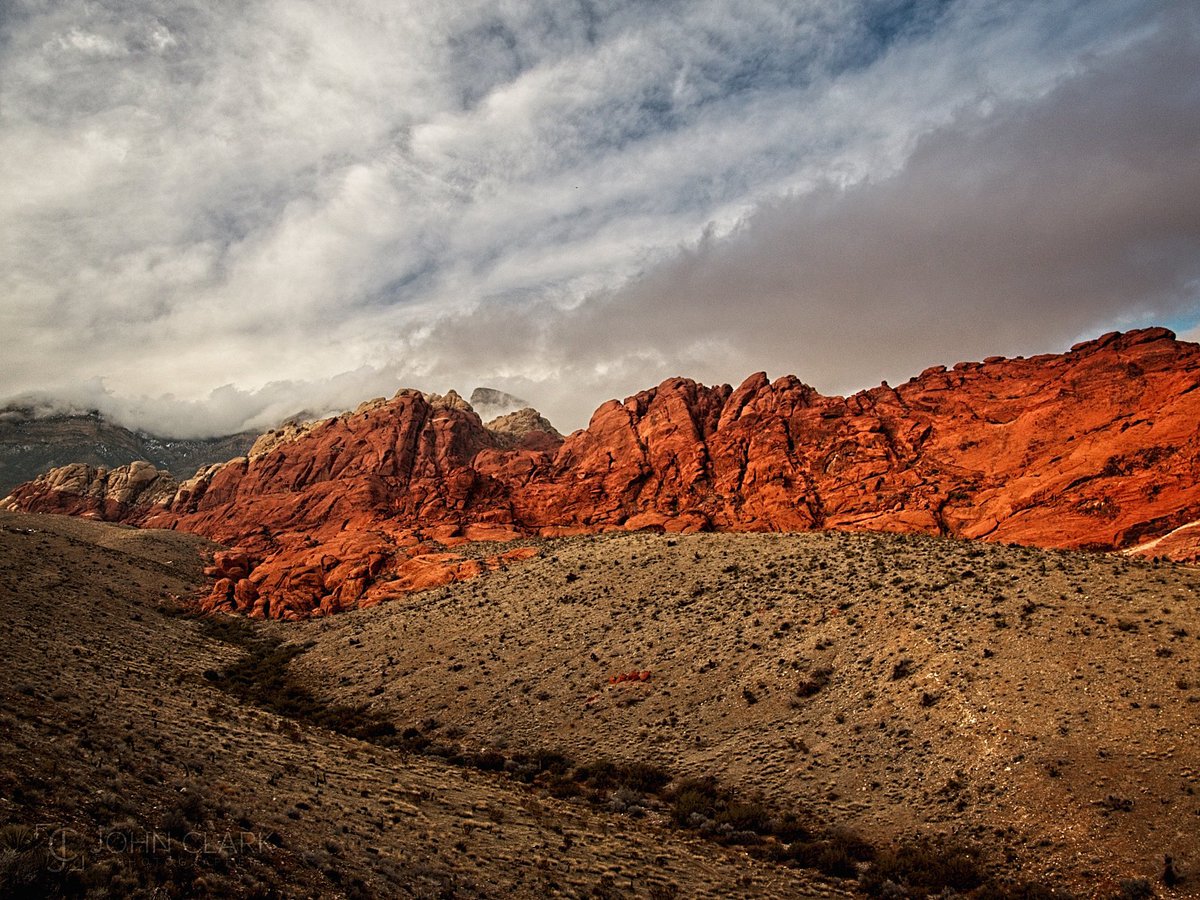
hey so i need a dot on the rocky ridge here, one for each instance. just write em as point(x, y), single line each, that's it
point(32, 443)
point(1096, 448)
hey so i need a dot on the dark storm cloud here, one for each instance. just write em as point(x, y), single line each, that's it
point(309, 203)
point(1016, 231)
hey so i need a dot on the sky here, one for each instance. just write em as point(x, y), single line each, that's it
point(214, 216)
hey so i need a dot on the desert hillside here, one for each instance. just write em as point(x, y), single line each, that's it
point(1044, 704)
point(811, 715)
point(128, 767)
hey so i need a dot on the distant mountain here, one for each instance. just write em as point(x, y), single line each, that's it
point(490, 403)
point(30, 445)
point(1093, 449)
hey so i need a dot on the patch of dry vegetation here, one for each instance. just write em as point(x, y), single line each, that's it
point(147, 753)
point(912, 690)
point(823, 715)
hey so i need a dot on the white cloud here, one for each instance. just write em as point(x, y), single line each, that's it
point(269, 196)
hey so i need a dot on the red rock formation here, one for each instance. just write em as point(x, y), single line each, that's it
point(1181, 544)
point(1095, 448)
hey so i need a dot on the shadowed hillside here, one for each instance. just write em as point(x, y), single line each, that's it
point(628, 715)
point(31, 445)
point(146, 753)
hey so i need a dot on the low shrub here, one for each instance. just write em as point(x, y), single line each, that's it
point(923, 867)
point(814, 682)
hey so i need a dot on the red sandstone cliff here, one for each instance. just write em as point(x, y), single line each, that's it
point(1095, 448)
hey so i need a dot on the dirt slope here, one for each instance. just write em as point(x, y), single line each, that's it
point(1039, 708)
point(126, 770)
point(1045, 704)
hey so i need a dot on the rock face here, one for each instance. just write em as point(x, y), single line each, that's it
point(111, 495)
point(1096, 448)
point(525, 428)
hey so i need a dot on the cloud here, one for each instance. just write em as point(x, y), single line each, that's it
point(1018, 231)
point(224, 410)
point(309, 203)
point(1016, 228)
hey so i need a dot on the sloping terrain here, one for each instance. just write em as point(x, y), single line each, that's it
point(1043, 704)
point(129, 768)
point(1095, 448)
point(31, 445)
point(629, 715)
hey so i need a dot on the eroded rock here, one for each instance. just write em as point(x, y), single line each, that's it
point(1096, 448)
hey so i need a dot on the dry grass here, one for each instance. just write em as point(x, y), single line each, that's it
point(898, 686)
point(125, 753)
point(888, 711)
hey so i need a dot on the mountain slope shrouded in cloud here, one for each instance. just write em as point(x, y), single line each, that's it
point(29, 445)
point(228, 214)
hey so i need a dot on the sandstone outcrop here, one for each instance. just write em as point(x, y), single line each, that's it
point(1096, 448)
point(111, 495)
point(525, 428)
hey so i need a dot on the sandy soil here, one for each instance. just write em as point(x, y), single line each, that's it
point(1042, 707)
point(134, 774)
point(1045, 704)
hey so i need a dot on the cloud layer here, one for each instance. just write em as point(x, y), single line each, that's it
point(215, 217)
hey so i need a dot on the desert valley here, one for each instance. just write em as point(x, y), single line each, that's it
point(600, 449)
point(941, 639)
